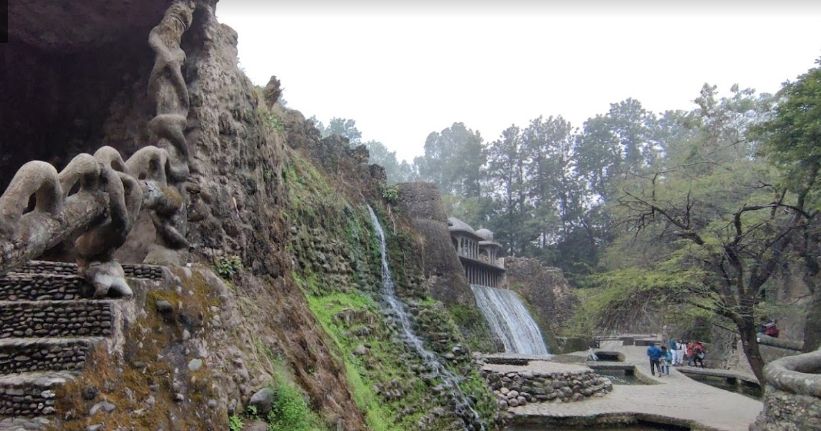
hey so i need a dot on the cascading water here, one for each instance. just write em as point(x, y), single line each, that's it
point(400, 313)
point(509, 320)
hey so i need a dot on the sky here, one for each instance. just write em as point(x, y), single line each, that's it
point(405, 69)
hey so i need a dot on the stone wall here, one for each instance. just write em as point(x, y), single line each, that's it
point(43, 287)
point(30, 355)
point(26, 397)
point(515, 388)
point(51, 319)
point(792, 398)
point(150, 272)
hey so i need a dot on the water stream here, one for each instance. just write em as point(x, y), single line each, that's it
point(400, 313)
point(509, 320)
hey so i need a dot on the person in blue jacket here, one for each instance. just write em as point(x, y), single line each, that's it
point(654, 353)
point(673, 349)
point(666, 360)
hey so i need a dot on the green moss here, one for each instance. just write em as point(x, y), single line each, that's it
point(290, 412)
point(473, 327)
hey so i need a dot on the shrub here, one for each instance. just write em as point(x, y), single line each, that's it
point(228, 266)
point(235, 423)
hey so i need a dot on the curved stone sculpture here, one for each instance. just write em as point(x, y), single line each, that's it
point(103, 210)
point(792, 398)
point(167, 88)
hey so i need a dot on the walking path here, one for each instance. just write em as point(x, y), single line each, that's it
point(676, 399)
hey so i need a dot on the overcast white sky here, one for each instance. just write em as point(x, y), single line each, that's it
point(405, 70)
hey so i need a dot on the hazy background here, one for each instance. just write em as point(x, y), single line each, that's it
point(404, 70)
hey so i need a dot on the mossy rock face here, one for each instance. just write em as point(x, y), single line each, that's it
point(149, 381)
point(339, 268)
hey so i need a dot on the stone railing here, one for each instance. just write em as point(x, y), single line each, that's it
point(792, 398)
point(517, 388)
point(781, 343)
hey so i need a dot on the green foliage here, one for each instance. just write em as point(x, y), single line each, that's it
point(792, 136)
point(228, 266)
point(473, 326)
point(390, 194)
point(378, 414)
point(291, 412)
point(235, 423)
point(272, 121)
point(252, 410)
point(454, 159)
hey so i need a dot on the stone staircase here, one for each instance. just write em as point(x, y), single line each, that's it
point(49, 325)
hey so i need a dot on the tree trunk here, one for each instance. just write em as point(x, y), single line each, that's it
point(749, 344)
point(812, 331)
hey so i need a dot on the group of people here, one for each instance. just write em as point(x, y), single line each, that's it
point(673, 352)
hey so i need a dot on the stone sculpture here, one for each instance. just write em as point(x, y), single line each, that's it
point(110, 192)
point(167, 87)
point(102, 211)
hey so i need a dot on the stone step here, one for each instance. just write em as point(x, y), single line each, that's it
point(43, 287)
point(82, 318)
point(30, 394)
point(151, 272)
point(23, 355)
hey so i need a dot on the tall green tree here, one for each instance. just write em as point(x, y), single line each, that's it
point(506, 172)
point(728, 225)
point(791, 140)
point(454, 159)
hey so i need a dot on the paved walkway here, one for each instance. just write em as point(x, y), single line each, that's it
point(678, 397)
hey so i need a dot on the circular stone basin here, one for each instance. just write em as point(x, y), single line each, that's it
point(542, 381)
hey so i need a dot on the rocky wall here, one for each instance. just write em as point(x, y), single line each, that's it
point(443, 271)
point(517, 388)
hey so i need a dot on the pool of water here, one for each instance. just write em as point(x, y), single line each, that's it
point(753, 392)
point(640, 426)
point(620, 377)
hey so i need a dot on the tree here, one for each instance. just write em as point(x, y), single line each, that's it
point(397, 172)
point(506, 173)
point(791, 140)
point(454, 160)
point(729, 226)
point(339, 126)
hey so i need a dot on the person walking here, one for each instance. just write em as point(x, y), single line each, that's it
point(681, 348)
point(673, 351)
point(698, 351)
point(690, 356)
point(654, 353)
point(664, 362)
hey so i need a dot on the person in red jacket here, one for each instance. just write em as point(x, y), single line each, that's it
point(770, 329)
point(698, 351)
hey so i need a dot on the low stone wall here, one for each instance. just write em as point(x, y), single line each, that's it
point(152, 272)
point(792, 399)
point(43, 287)
point(56, 319)
point(21, 396)
point(515, 388)
point(21, 356)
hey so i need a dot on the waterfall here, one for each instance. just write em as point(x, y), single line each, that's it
point(400, 313)
point(509, 320)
